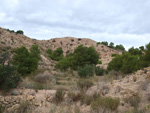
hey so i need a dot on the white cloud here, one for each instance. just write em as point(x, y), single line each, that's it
point(121, 21)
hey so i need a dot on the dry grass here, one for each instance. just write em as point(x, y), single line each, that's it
point(25, 107)
point(64, 109)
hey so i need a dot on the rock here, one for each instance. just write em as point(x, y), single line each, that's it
point(5, 102)
point(15, 93)
point(91, 91)
point(105, 90)
point(37, 103)
point(1, 99)
point(30, 97)
point(16, 106)
point(7, 99)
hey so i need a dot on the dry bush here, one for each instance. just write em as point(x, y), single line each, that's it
point(59, 96)
point(75, 96)
point(134, 100)
point(42, 78)
point(105, 89)
point(145, 85)
point(105, 104)
point(84, 84)
point(25, 107)
point(64, 109)
point(116, 75)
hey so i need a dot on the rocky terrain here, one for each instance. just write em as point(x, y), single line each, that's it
point(11, 41)
point(132, 90)
point(125, 89)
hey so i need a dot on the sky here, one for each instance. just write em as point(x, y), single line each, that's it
point(125, 22)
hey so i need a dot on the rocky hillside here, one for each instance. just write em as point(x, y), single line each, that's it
point(11, 41)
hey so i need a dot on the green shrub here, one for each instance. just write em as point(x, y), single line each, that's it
point(79, 58)
point(59, 96)
point(63, 64)
point(19, 32)
point(84, 56)
point(113, 55)
point(86, 71)
point(106, 103)
point(111, 45)
point(8, 73)
point(99, 71)
point(35, 52)
point(9, 77)
point(84, 84)
point(125, 63)
point(26, 61)
point(121, 47)
point(104, 43)
point(49, 51)
point(145, 59)
point(38, 86)
point(55, 55)
point(99, 62)
point(135, 51)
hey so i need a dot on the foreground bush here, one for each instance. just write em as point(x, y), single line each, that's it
point(9, 77)
point(106, 103)
point(59, 96)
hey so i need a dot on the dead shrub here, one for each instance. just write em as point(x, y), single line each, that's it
point(75, 96)
point(25, 107)
point(116, 75)
point(133, 100)
point(144, 85)
point(84, 84)
point(42, 78)
point(59, 96)
point(105, 104)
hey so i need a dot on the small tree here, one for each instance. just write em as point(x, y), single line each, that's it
point(105, 43)
point(79, 58)
point(19, 32)
point(134, 51)
point(111, 45)
point(35, 52)
point(141, 48)
point(145, 59)
point(125, 63)
point(121, 47)
point(56, 55)
point(25, 61)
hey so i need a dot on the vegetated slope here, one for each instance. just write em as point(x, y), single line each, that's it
point(133, 90)
point(11, 41)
